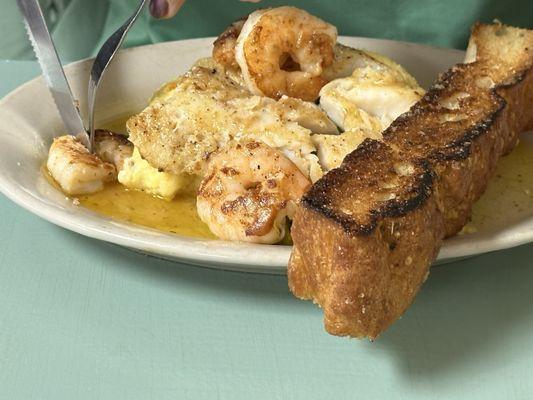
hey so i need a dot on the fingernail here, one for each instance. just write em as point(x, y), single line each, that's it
point(158, 8)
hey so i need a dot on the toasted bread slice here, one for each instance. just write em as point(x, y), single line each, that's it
point(366, 233)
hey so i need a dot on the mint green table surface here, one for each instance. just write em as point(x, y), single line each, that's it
point(82, 319)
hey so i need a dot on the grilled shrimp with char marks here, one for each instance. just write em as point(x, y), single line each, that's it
point(112, 147)
point(248, 192)
point(77, 170)
point(224, 45)
point(283, 51)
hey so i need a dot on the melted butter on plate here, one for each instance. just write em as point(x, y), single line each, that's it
point(509, 195)
point(176, 216)
point(508, 199)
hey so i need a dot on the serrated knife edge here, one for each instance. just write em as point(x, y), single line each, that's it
point(51, 67)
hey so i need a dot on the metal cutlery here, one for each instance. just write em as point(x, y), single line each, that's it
point(54, 74)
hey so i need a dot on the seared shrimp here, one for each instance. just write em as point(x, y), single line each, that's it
point(248, 191)
point(112, 147)
point(283, 51)
point(75, 169)
point(224, 46)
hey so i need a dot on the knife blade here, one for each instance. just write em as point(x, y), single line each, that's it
point(53, 72)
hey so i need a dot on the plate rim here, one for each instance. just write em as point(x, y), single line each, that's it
point(202, 251)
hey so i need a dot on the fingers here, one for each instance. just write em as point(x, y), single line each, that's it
point(169, 8)
point(165, 8)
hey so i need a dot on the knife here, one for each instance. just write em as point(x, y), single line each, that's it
point(53, 73)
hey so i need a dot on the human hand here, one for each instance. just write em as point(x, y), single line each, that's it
point(169, 8)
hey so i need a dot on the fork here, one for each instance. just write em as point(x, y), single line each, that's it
point(101, 62)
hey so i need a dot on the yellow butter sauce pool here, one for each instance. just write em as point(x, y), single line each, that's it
point(176, 216)
point(509, 195)
point(115, 201)
point(508, 199)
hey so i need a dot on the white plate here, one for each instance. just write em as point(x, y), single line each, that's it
point(30, 120)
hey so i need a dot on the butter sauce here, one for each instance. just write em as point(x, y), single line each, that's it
point(508, 199)
point(509, 195)
point(176, 216)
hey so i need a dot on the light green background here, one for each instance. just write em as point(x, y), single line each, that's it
point(80, 319)
point(79, 26)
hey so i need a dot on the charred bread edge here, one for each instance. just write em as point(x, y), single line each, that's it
point(457, 150)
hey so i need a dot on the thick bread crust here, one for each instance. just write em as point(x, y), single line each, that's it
point(366, 233)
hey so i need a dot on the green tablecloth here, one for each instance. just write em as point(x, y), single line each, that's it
point(81, 319)
point(79, 26)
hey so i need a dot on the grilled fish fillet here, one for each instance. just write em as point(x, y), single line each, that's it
point(363, 104)
point(364, 94)
point(207, 108)
point(366, 233)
